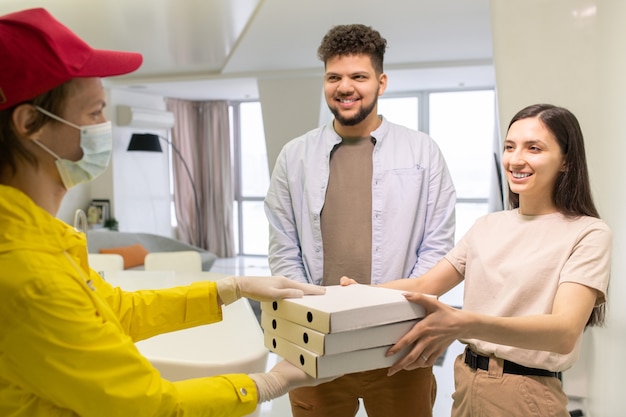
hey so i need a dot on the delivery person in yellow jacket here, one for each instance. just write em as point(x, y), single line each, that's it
point(66, 336)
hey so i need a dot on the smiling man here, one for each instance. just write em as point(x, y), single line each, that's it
point(364, 198)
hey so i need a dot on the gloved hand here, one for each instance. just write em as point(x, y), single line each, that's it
point(282, 378)
point(263, 288)
point(274, 288)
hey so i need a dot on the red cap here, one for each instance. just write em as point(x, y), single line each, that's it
point(39, 53)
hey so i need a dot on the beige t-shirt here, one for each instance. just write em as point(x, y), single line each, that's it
point(513, 265)
point(346, 219)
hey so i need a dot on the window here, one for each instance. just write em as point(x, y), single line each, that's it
point(463, 125)
point(401, 110)
point(461, 122)
point(252, 178)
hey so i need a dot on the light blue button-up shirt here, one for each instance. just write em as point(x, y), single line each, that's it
point(413, 202)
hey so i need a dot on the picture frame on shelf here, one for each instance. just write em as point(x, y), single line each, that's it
point(98, 213)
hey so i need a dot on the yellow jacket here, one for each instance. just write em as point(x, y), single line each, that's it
point(67, 337)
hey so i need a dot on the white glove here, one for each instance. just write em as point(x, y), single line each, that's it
point(263, 288)
point(281, 379)
point(275, 288)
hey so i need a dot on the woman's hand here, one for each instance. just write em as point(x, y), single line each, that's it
point(430, 337)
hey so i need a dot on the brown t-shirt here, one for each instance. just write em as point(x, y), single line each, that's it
point(346, 219)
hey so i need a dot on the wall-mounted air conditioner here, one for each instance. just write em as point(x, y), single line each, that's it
point(148, 118)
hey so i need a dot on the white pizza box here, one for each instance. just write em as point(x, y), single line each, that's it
point(346, 308)
point(323, 366)
point(332, 343)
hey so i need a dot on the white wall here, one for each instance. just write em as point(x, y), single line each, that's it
point(136, 183)
point(608, 367)
point(571, 53)
point(291, 107)
point(76, 198)
point(141, 182)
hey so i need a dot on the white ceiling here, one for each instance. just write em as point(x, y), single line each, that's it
point(216, 49)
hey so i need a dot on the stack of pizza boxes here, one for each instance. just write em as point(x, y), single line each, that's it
point(348, 329)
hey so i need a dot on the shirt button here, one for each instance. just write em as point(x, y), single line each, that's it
point(317, 249)
point(243, 391)
point(315, 216)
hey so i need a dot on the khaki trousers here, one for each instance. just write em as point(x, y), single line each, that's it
point(492, 393)
point(405, 394)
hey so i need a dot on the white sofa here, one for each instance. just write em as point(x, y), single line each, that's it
point(104, 239)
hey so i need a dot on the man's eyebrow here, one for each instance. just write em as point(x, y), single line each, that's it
point(349, 74)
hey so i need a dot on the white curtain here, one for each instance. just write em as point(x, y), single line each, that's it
point(202, 135)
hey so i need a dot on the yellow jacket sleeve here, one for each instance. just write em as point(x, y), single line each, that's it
point(146, 313)
point(63, 352)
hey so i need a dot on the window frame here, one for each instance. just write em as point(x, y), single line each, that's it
point(423, 118)
point(239, 198)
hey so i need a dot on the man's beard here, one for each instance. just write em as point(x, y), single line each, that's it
point(357, 118)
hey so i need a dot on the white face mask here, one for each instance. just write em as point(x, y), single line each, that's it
point(96, 141)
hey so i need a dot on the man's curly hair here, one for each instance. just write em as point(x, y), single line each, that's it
point(351, 40)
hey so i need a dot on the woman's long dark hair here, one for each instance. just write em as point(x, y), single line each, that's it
point(572, 190)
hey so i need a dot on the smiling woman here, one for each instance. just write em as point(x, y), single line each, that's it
point(535, 277)
point(533, 161)
point(551, 138)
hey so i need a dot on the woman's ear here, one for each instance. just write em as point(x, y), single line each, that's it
point(23, 116)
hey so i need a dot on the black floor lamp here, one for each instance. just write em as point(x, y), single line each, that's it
point(149, 142)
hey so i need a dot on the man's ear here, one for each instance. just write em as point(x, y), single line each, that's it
point(23, 116)
point(382, 83)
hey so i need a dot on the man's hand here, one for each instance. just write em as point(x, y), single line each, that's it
point(345, 281)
